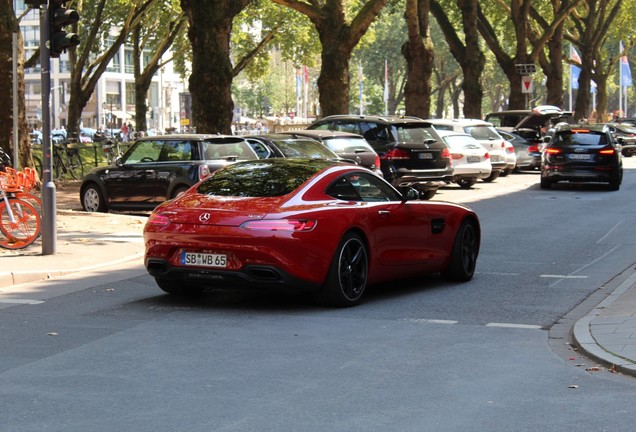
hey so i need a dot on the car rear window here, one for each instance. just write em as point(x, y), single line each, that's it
point(347, 144)
point(239, 149)
point(580, 138)
point(304, 148)
point(413, 133)
point(262, 178)
point(482, 132)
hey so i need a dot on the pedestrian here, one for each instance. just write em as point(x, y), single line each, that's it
point(124, 132)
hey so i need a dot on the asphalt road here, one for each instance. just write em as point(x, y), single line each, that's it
point(112, 353)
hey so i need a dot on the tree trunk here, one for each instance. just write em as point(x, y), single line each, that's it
point(473, 62)
point(418, 52)
point(9, 25)
point(468, 54)
point(333, 80)
point(212, 72)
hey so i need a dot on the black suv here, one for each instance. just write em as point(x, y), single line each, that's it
point(158, 168)
point(412, 154)
point(582, 154)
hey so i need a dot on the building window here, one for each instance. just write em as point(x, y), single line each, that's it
point(129, 62)
point(130, 93)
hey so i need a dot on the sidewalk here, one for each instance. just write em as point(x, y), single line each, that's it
point(608, 333)
point(87, 241)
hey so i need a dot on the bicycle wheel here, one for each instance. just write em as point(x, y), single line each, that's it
point(75, 166)
point(19, 223)
point(34, 200)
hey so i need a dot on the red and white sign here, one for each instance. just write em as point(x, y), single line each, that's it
point(526, 84)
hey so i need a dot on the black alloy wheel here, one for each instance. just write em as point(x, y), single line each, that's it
point(463, 260)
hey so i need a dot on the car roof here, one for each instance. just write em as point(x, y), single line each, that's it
point(188, 137)
point(561, 127)
point(322, 133)
point(374, 118)
point(459, 122)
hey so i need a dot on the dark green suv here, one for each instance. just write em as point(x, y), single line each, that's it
point(412, 154)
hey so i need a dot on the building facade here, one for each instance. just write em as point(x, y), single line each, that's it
point(113, 100)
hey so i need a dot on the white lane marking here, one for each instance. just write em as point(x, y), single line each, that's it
point(609, 232)
point(511, 325)
point(499, 274)
point(563, 276)
point(431, 321)
point(21, 301)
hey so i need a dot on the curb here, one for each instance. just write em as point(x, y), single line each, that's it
point(585, 341)
point(22, 277)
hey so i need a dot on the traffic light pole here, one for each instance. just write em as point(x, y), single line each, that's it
point(49, 223)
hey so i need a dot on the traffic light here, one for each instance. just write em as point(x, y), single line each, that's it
point(59, 17)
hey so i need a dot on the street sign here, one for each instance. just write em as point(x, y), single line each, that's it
point(526, 84)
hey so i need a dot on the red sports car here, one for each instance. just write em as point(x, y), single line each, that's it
point(305, 225)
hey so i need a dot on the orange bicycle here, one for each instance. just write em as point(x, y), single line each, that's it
point(20, 222)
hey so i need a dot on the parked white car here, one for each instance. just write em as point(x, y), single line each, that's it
point(471, 161)
point(487, 136)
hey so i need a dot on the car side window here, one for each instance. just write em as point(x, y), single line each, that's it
point(362, 187)
point(342, 189)
point(173, 151)
point(144, 152)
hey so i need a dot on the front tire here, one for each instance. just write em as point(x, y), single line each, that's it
point(463, 259)
point(93, 199)
point(348, 273)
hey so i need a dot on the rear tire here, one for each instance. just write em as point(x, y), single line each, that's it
point(463, 260)
point(93, 199)
point(348, 273)
point(427, 194)
point(492, 177)
point(546, 183)
point(466, 183)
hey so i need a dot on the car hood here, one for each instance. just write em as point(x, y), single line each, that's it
point(198, 209)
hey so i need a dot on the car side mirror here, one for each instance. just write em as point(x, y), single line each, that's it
point(410, 194)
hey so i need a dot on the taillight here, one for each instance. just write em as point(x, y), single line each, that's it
point(510, 149)
point(376, 163)
point(158, 219)
point(607, 152)
point(204, 171)
point(533, 148)
point(396, 153)
point(457, 155)
point(552, 151)
point(281, 225)
point(487, 155)
point(446, 154)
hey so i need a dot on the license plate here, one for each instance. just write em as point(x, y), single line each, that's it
point(495, 158)
point(425, 155)
point(473, 159)
point(580, 156)
point(203, 259)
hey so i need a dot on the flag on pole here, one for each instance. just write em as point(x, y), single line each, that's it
point(386, 87)
point(360, 76)
point(626, 73)
point(575, 71)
